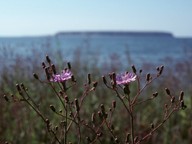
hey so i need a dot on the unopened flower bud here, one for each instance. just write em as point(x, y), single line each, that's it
point(89, 78)
point(157, 68)
point(161, 70)
point(155, 94)
point(140, 71)
point(135, 139)
point(88, 139)
point(56, 128)
point(48, 59)
point(52, 108)
point(60, 93)
point(73, 78)
point(35, 76)
point(43, 65)
point(148, 76)
point(127, 138)
point(173, 99)
point(77, 105)
point(126, 89)
point(95, 85)
point(167, 91)
point(116, 140)
point(71, 114)
point(102, 109)
point(69, 65)
point(181, 96)
point(53, 68)
point(47, 121)
point(152, 126)
point(114, 104)
point(66, 99)
point(182, 105)
point(6, 98)
point(114, 80)
point(104, 80)
point(100, 115)
point(22, 86)
point(18, 87)
point(134, 69)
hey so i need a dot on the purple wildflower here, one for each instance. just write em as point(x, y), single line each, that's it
point(64, 76)
point(125, 78)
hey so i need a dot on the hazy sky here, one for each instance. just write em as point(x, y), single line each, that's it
point(40, 17)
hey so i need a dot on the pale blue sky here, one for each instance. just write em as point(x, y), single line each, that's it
point(40, 17)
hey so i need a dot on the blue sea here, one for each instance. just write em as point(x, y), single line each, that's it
point(139, 48)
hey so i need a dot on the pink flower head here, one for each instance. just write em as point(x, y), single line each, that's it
point(64, 76)
point(125, 78)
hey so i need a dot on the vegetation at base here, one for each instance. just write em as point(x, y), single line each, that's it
point(19, 123)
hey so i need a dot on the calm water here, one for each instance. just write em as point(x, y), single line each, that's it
point(140, 48)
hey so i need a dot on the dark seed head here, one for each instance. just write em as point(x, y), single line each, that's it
point(52, 108)
point(127, 138)
point(35, 76)
point(69, 65)
point(152, 126)
point(173, 99)
point(134, 69)
point(148, 76)
point(43, 65)
point(89, 78)
point(114, 104)
point(66, 99)
point(18, 87)
point(48, 59)
point(102, 109)
point(73, 78)
point(95, 85)
point(6, 98)
point(104, 80)
point(181, 96)
point(167, 91)
point(161, 70)
point(22, 86)
point(155, 94)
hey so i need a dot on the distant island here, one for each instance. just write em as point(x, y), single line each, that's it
point(119, 33)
